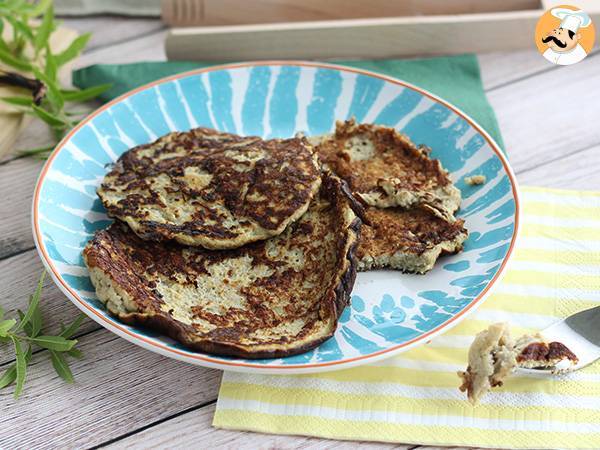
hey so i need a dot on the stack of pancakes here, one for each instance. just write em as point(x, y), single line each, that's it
point(248, 247)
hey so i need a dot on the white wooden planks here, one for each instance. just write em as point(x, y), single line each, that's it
point(122, 388)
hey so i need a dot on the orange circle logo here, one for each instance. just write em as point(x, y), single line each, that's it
point(565, 35)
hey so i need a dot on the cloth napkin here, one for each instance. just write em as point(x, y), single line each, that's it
point(414, 397)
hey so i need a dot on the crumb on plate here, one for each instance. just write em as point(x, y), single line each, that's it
point(475, 180)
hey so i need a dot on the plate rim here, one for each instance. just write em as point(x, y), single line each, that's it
point(208, 361)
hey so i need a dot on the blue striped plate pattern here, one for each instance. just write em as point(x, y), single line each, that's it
point(390, 311)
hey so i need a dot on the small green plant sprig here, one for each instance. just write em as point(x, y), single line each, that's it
point(25, 334)
point(26, 49)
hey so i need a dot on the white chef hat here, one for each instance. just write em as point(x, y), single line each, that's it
point(571, 20)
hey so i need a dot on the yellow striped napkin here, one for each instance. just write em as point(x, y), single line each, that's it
point(414, 397)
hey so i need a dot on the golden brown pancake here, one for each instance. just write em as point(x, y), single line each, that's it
point(410, 240)
point(385, 169)
point(273, 298)
point(212, 189)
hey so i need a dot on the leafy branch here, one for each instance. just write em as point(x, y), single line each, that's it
point(26, 50)
point(25, 334)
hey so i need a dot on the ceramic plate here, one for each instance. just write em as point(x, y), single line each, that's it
point(391, 312)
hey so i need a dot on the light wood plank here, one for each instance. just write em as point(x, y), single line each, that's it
point(146, 48)
point(496, 68)
point(119, 388)
point(366, 38)
point(551, 114)
point(577, 171)
point(111, 30)
point(18, 278)
point(194, 429)
point(237, 12)
point(17, 180)
point(500, 68)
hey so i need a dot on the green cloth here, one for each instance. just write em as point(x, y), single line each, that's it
point(456, 79)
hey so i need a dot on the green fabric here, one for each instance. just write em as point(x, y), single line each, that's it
point(456, 79)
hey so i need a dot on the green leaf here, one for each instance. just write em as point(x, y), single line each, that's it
point(85, 94)
point(73, 326)
point(8, 377)
point(21, 364)
point(1, 312)
point(36, 323)
point(75, 353)
point(21, 27)
point(15, 4)
point(53, 94)
point(26, 327)
point(3, 45)
point(10, 60)
point(6, 325)
point(57, 343)
point(60, 132)
point(73, 49)
point(43, 32)
point(61, 366)
point(51, 119)
point(40, 8)
point(17, 101)
point(36, 152)
point(50, 70)
point(34, 303)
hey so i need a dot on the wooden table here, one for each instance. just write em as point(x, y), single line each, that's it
point(125, 396)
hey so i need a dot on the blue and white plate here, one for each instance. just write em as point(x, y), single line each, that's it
point(391, 312)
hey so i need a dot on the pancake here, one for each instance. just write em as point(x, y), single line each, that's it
point(269, 299)
point(493, 357)
point(410, 240)
point(211, 189)
point(385, 169)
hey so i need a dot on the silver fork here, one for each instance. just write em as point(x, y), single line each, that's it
point(581, 334)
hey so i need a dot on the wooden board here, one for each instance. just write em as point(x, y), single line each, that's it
point(17, 180)
point(535, 121)
point(128, 397)
point(360, 38)
point(119, 387)
point(178, 13)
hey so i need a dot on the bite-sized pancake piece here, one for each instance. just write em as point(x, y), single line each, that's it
point(272, 298)
point(216, 190)
point(535, 352)
point(385, 169)
point(410, 240)
point(493, 356)
point(491, 361)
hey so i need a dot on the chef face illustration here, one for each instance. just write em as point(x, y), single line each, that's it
point(561, 43)
point(561, 40)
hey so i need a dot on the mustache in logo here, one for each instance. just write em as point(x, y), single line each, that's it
point(556, 41)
